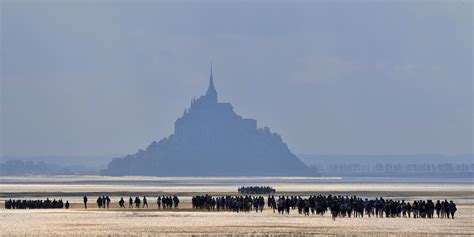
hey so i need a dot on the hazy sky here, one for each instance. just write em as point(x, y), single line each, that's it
point(352, 77)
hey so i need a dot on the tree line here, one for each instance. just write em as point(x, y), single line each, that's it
point(397, 169)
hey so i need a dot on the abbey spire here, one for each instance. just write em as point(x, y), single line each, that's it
point(208, 138)
point(211, 92)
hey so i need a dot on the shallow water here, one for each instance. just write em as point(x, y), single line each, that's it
point(72, 187)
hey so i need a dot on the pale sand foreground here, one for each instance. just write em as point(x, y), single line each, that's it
point(186, 221)
point(91, 222)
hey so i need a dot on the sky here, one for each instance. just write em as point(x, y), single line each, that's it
point(104, 78)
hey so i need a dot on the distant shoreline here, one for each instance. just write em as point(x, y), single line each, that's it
point(75, 187)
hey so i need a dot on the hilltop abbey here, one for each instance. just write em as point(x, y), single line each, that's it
point(210, 139)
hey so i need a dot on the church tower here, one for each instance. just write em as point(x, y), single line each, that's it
point(211, 92)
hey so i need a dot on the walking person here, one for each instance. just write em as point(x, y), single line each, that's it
point(137, 202)
point(85, 202)
point(158, 202)
point(452, 209)
point(107, 199)
point(99, 202)
point(121, 203)
point(103, 202)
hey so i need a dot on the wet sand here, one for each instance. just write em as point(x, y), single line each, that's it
point(151, 221)
point(94, 222)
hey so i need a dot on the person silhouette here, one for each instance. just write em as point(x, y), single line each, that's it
point(158, 202)
point(452, 209)
point(85, 202)
point(103, 201)
point(137, 202)
point(99, 202)
point(107, 199)
point(121, 203)
point(130, 202)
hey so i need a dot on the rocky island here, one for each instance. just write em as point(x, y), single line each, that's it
point(210, 139)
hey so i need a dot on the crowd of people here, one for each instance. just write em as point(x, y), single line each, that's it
point(167, 202)
point(337, 206)
point(164, 201)
point(256, 190)
point(103, 201)
point(229, 203)
point(36, 204)
point(344, 206)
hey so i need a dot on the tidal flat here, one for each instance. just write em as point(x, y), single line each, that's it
point(185, 221)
